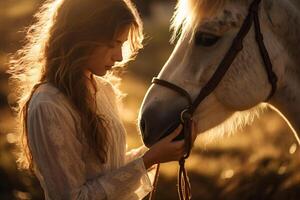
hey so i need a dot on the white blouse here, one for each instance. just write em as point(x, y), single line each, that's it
point(62, 163)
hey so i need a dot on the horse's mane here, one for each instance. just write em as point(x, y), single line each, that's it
point(189, 12)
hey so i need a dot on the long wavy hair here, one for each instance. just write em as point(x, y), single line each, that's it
point(56, 49)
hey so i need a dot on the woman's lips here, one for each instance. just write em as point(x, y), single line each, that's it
point(108, 67)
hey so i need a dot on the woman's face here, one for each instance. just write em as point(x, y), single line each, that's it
point(104, 57)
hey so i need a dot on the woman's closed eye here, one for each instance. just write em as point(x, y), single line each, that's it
point(205, 39)
point(115, 44)
point(112, 45)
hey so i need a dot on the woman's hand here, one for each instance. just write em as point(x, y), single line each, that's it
point(165, 150)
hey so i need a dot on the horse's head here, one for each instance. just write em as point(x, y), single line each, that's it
point(207, 29)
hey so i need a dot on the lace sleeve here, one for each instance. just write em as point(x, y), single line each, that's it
point(135, 153)
point(57, 155)
point(130, 182)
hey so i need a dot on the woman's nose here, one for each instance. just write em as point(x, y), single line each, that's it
point(118, 55)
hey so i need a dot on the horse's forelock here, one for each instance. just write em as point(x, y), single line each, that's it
point(188, 13)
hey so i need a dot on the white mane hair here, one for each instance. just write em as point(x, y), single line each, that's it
point(189, 13)
point(234, 123)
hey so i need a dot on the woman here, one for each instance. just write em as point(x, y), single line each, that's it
point(72, 136)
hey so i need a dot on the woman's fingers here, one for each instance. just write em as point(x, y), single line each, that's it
point(166, 150)
point(175, 133)
point(179, 149)
point(178, 144)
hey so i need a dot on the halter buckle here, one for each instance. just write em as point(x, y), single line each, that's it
point(185, 115)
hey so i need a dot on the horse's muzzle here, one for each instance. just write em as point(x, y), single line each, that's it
point(156, 122)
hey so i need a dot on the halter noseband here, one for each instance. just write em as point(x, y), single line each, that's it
point(184, 189)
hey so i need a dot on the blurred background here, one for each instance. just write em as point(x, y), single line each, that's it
point(258, 163)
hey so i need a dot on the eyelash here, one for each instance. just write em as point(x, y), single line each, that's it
point(113, 45)
point(206, 39)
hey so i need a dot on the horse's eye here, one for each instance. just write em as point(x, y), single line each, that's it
point(205, 39)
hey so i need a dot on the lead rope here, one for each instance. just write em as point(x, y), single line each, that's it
point(184, 186)
point(153, 192)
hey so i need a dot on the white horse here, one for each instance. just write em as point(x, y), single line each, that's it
point(204, 30)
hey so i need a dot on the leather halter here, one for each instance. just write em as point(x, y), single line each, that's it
point(184, 189)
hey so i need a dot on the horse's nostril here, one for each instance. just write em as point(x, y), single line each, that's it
point(143, 126)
